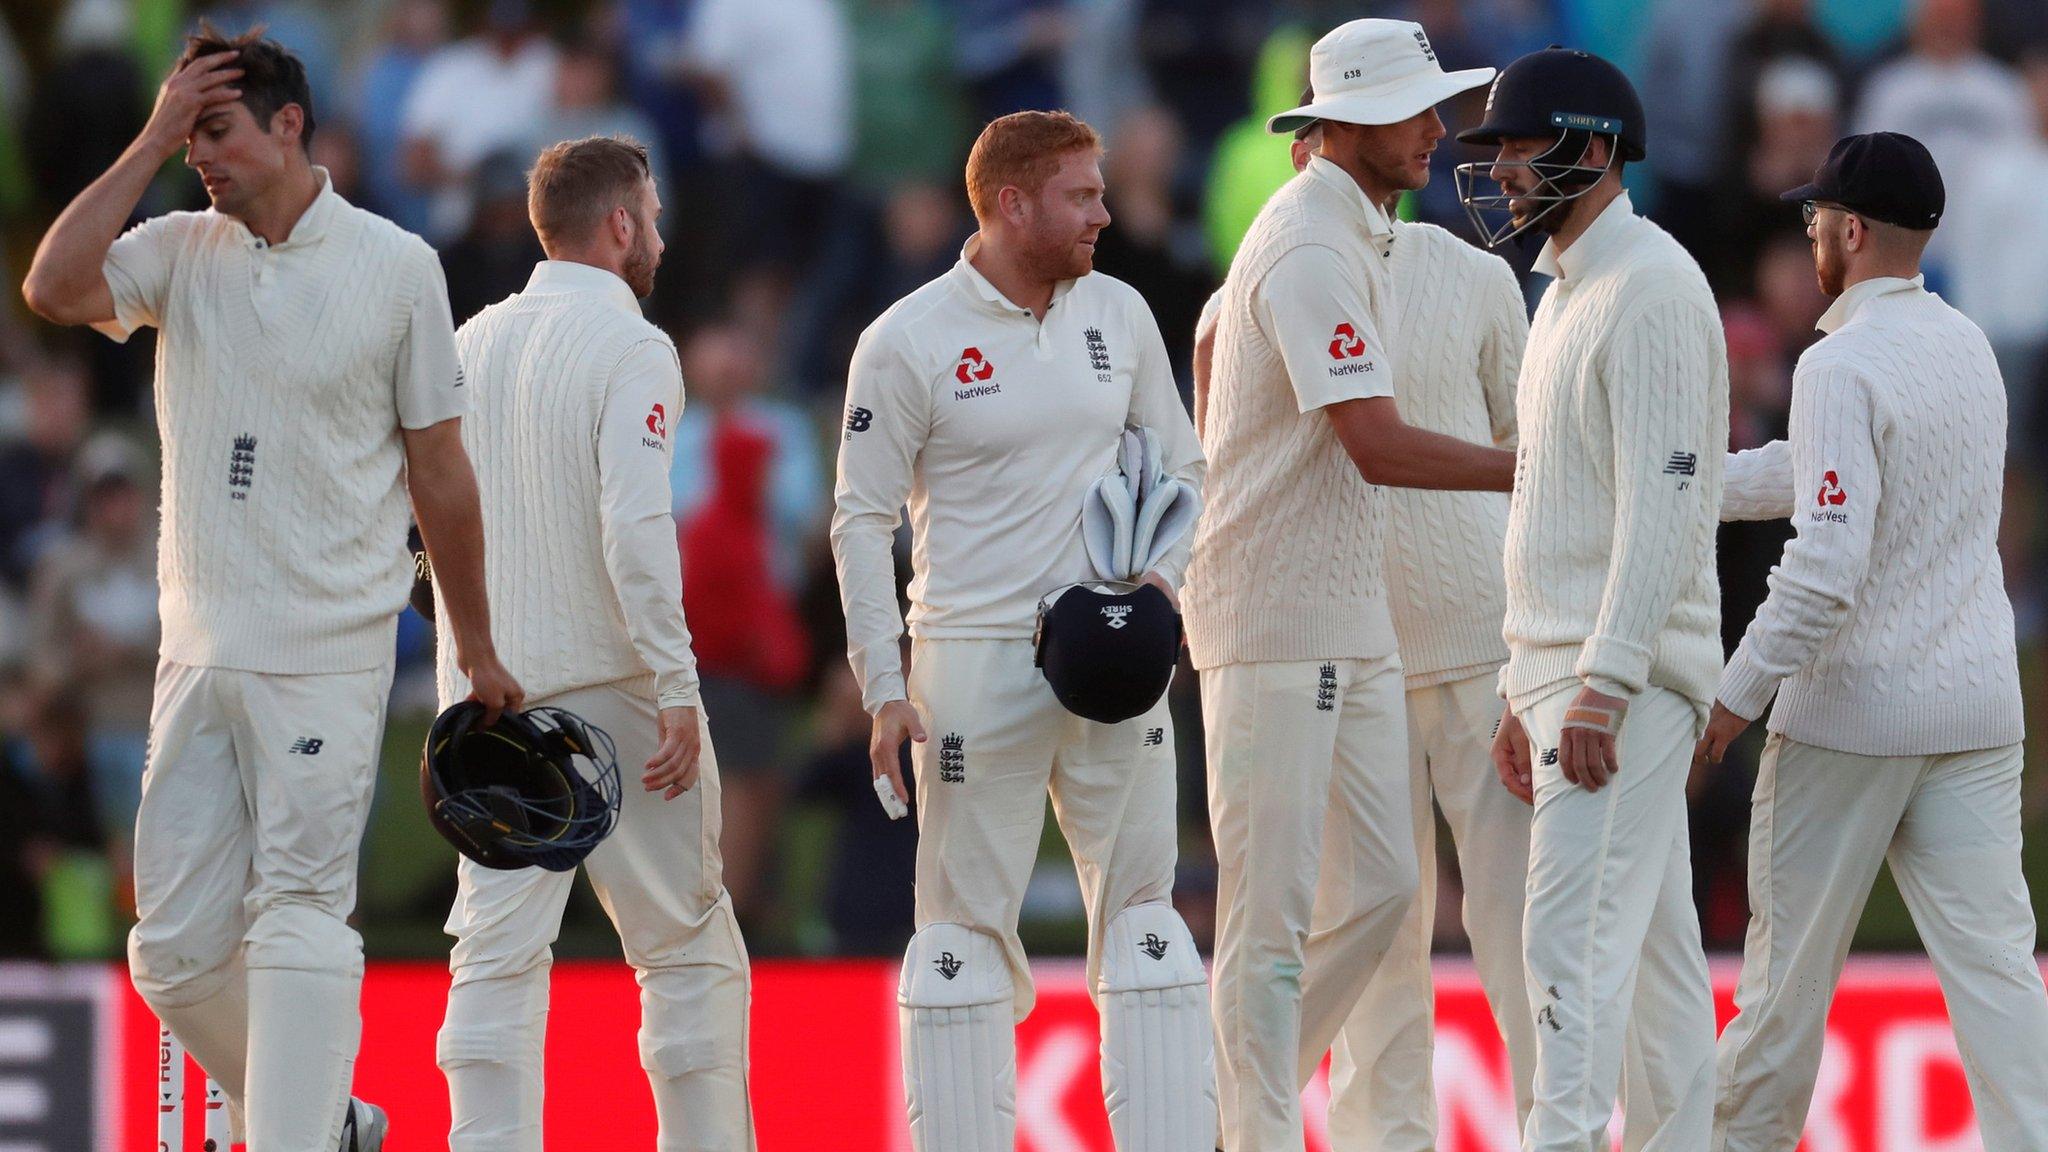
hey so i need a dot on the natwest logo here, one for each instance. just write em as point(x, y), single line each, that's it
point(1831, 491)
point(1345, 342)
point(972, 367)
point(657, 421)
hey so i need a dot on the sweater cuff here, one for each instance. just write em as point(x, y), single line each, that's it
point(1608, 663)
point(1745, 688)
point(887, 686)
point(678, 690)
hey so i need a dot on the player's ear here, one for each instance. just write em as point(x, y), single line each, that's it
point(288, 123)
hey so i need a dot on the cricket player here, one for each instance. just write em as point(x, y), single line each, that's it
point(1461, 330)
point(1288, 620)
point(306, 382)
point(1613, 610)
point(574, 396)
point(1887, 640)
point(991, 399)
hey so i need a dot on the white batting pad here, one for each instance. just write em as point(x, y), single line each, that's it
point(959, 1042)
point(1158, 1068)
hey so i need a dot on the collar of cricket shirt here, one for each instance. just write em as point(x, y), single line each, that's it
point(1862, 292)
point(1371, 221)
point(553, 277)
point(981, 288)
point(312, 224)
point(1594, 248)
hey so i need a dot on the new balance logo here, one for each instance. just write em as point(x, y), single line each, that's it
point(1154, 946)
point(1117, 614)
point(947, 966)
point(1154, 737)
point(1549, 757)
point(1548, 1014)
point(953, 760)
point(306, 746)
point(1326, 689)
point(1682, 464)
point(858, 420)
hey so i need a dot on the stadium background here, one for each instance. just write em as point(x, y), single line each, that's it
point(810, 151)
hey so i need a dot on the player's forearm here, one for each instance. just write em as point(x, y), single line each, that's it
point(66, 282)
point(444, 501)
point(1404, 456)
point(863, 554)
point(1758, 483)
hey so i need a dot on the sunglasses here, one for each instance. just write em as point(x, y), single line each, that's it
point(1808, 209)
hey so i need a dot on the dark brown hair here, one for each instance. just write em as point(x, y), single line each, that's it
point(1022, 150)
point(272, 76)
point(575, 184)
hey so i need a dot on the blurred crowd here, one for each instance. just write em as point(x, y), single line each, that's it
point(810, 153)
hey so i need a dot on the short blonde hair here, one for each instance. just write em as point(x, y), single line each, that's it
point(575, 184)
point(1022, 150)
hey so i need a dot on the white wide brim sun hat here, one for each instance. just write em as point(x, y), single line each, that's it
point(1375, 72)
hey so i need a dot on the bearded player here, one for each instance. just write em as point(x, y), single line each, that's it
point(306, 384)
point(990, 400)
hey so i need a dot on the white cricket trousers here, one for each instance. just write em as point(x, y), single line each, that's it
point(1315, 853)
point(1382, 1093)
point(997, 742)
point(253, 808)
point(1611, 941)
point(1820, 823)
point(659, 878)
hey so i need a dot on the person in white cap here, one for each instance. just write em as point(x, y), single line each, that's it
point(1461, 330)
point(1288, 619)
point(992, 400)
point(1613, 611)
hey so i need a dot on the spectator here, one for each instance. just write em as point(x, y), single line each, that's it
point(587, 104)
point(909, 121)
point(752, 652)
point(95, 608)
point(498, 250)
point(1249, 163)
point(1203, 56)
point(86, 107)
point(1795, 122)
point(873, 865)
point(1096, 80)
point(778, 78)
point(1149, 244)
point(299, 23)
point(56, 856)
point(1687, 51)
point(36, 480)
point(473, 98)
point(1008, 52)
point(1947, 93)
point(413, 31)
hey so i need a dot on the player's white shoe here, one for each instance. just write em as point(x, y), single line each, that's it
point(363, 1128)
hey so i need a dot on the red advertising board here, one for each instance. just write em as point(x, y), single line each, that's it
point(825, 1072)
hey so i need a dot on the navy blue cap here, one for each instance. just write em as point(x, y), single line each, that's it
point(1886, 176)
point(1559, 90)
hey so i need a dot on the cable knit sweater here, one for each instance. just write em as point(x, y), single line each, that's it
point(1623, 410)
point(574, 397)
point(1289, 553)
point(1460, 336)
point(1887, 622)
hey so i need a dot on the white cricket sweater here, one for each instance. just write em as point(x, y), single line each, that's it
point(284, 374)
point(1460, 335)
point(1623, 410)
point(993, 426)
point(1290, 549)
point(574, 396)
point(1887, 631)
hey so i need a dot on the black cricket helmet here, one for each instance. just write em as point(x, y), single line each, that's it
point(1557, 92)
point(537, 789)
point(1108, 649)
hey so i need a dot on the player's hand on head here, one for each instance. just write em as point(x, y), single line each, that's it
point(1723, 726)
point(672, 770)
point(197, 88)
point(491, 685)
point(895, 722)
point(1587, 752)
point(1511, 759)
